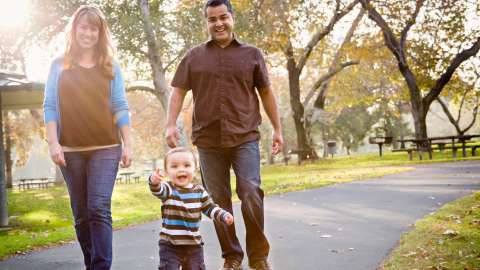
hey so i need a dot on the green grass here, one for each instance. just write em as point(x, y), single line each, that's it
point(43, 217)
point(448, 239)
point(40, 218)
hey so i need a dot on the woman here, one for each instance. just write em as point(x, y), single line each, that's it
point(85, 110)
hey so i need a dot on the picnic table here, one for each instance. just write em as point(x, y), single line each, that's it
point(380, 141)
point(41, 182)
point(439, 143)
point(127, 176)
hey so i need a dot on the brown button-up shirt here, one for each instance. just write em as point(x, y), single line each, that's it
point(223, 82)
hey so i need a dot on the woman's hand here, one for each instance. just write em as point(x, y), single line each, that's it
point(126, 157)
point(56, 153)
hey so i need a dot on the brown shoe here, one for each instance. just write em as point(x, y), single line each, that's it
point(231, 264)
point(261, 265)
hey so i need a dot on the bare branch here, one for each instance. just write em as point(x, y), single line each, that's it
point(449, 115)
point(321, 33)
point(153, 52)
point(410, 23)
point(474, 119)
point(390, 39)
point(334, 64)
point(462, 102)
point(142, 88)
point(447, 75)
point(325, 78)
point(175, 58)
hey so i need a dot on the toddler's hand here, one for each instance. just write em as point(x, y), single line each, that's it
point(228, 219)
point(157, 177)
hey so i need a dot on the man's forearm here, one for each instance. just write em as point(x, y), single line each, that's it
point(175, 104)
point(270, 105)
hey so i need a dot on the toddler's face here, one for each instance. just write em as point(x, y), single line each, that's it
point(181, 168)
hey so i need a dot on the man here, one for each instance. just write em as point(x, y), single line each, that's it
point(223, 74)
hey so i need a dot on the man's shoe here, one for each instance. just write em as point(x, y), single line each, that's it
point(231, 264)
point(261, 265)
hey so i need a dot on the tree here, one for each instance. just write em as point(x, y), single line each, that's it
point(323, 82)
point(352, 126)
point(164, 33)
point(283, 23)
point(466, 99)
point(445, 19)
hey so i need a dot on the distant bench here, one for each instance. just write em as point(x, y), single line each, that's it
point(127, 177)
point(27, 183)
point(429, 145)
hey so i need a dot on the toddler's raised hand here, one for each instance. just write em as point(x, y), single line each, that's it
point(157, 177)
point(228, 219)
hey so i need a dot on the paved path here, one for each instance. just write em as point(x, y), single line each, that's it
point(364, 219)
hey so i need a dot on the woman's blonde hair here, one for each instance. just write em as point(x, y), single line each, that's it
point(103, 50)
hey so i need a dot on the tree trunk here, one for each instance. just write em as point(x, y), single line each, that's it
point(162, 91)
point(419, 112)
point(286, 157)
point(420, 122)
point(3, 189)
point(298, 110)
point(8, 151)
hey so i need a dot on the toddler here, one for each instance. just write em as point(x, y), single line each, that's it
point(183, 203)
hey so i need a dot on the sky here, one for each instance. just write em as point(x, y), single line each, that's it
point(13, 13)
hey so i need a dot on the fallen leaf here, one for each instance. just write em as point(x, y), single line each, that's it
point(410, 254)
point(450, 233)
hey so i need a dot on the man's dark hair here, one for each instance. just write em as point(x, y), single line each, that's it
point(216, 3)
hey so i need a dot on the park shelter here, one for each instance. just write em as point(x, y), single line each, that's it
point(16, 92)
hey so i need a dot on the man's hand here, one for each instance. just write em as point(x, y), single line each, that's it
point(56, 153)
point(157, 177)
point(126, 160)
point(277, 142)
point(172, 136)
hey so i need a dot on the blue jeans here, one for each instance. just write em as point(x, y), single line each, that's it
point(215, 164)
point(189, 257)
point(90, 176)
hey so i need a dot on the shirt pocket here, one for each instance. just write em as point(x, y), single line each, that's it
point(241, 70)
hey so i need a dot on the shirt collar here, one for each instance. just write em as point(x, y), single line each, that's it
point(235, 41)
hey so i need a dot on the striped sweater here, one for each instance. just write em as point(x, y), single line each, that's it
point(182, 210)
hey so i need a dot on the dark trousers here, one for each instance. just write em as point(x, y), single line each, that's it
point(172, 257)
point(90, 176)
point(215, 164)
